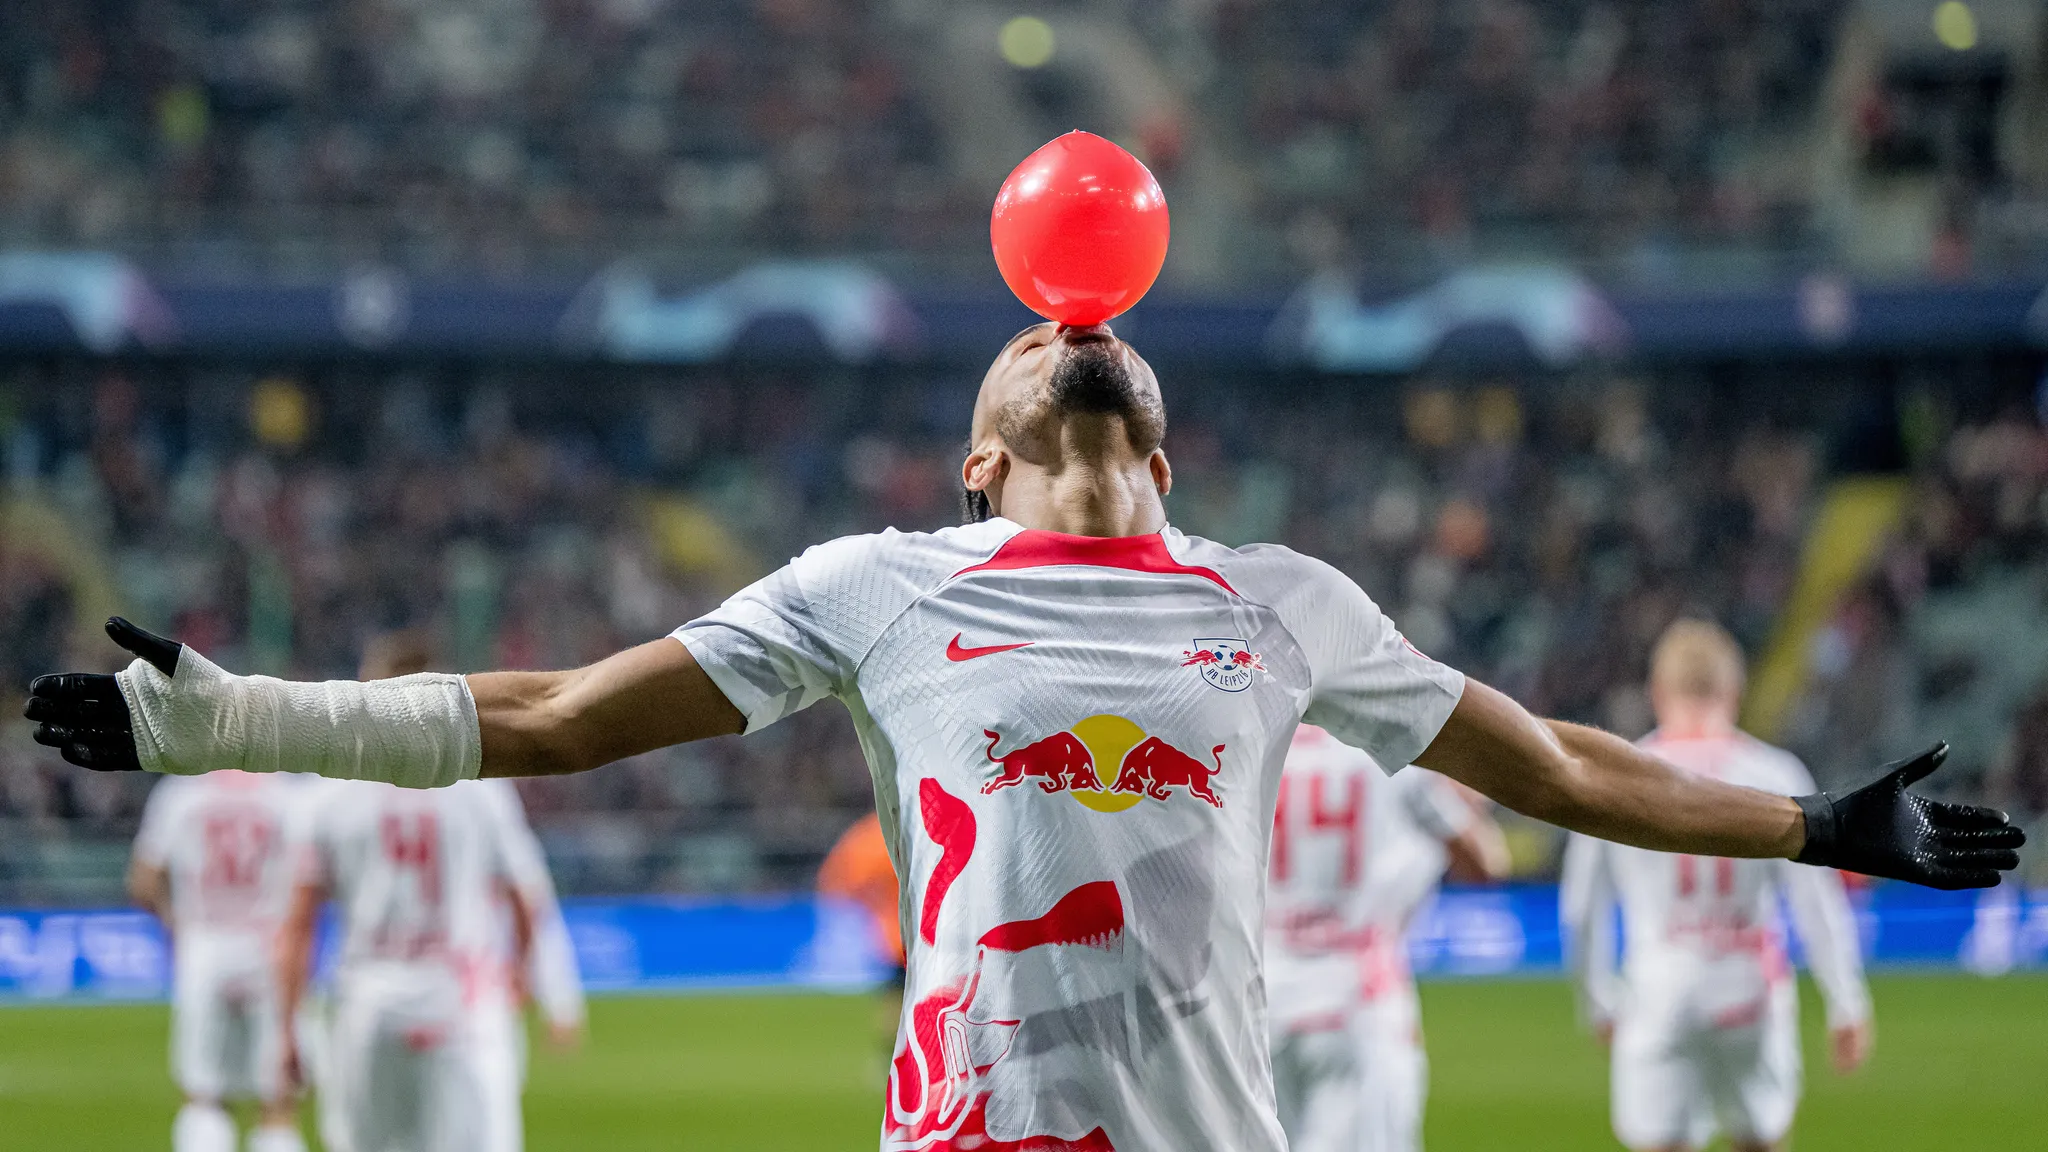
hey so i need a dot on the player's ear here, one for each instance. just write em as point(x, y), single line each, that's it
point(1162, 472)
point(983, 472)
point(984, 467)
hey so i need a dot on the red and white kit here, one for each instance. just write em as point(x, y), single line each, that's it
point(223, 838)
point(1077, 745)
point(424, 1048)
point(1355, 853)
point(1704, 1006)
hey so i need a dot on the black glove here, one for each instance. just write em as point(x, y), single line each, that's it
point(83, 714)
point(1883, 830)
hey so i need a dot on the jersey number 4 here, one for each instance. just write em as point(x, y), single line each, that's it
point(1320, 819)
point(412, 843)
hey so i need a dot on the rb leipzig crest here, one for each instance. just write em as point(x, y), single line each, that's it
point(1225, 662)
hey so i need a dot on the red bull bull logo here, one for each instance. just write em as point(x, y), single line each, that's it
point(1106, 763)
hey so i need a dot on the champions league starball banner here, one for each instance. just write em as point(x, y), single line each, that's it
point(647, 944)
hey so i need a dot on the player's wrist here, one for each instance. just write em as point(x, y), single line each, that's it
point(1819, 829)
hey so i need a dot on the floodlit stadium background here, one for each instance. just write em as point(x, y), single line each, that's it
point(546, 324)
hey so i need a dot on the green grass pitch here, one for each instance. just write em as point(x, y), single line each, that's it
point(1961, 1064)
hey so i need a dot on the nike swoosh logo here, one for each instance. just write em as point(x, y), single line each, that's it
point(956, 653)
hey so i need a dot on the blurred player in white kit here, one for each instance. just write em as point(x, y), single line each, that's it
point(448, 924)
point(1703, 1018)
point(1356, 853)
point(212, 861)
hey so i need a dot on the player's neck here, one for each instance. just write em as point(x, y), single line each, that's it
point(1084, 501)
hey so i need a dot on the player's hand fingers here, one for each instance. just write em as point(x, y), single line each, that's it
point(1956, 879)
point(162, 654)
point(1917, 769)
point(57, 733)
point(1966, 817)
point(75, 686)
point(103, 751)
point(2003, 837)
point(2002, 859)
point(82, 712)
point(100, 757)
point(113, 757)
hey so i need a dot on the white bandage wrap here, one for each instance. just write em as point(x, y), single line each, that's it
point(416, 731)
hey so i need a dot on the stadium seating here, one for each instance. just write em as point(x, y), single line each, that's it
point(516, 138)
point(1538, 532)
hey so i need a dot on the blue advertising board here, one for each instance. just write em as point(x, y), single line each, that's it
point(644, 944)
point(805, 311)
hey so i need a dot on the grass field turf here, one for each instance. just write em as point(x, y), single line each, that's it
point(1961, 1064)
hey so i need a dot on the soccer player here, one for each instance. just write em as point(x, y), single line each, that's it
point(211, 861)
point(1355, 853)
point(1704, 1019)
point(449, 922)
point(423, 1052)
point(1076, 718)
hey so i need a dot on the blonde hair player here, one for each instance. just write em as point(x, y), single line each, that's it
point(1703, 1015)
point(1076, 717)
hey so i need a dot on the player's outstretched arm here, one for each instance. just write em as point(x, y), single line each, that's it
point(1594, 782)
point(172, 710)
point(548, 723)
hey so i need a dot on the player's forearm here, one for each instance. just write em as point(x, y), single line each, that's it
point(1594, 782)
point(1609, 788)
point(172, 710)
point(550, 723)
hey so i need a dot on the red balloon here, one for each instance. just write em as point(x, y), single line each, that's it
point(1079, 230)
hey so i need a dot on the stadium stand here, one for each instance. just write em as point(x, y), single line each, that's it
point(512, 137)
point(1538, 531)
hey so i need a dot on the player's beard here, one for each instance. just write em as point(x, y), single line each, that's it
point(1092, 380)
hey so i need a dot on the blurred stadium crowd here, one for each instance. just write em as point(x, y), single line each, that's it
point(1537, 532)
point(534, 136)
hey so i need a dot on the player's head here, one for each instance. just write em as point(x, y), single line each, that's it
point(396, 654)
point(1058, 397)
point(1696, 676)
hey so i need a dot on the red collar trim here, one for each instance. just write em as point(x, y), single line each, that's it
point(1037, 548)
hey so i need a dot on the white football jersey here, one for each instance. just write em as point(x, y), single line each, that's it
point(1077, 745)
point(1702, 935)
point(1355, 853)
point(224, 840)
point(418, 874)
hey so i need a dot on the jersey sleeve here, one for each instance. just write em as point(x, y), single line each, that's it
point(159, 822)
point(551, 970)
point(1433, 803)
point(1586, 898)
point(1819, 905)
point(799, 634)
point(520, 860)
point(1369, 687)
